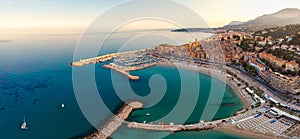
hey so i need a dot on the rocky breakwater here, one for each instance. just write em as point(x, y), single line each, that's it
point(116, 121)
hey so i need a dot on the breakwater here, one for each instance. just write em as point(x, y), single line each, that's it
point(116, 121)
point(122, 71)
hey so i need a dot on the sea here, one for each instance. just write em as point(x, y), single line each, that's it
point(36, 78)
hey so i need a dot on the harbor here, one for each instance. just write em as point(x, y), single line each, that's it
point(123, 62)
point(101, 59)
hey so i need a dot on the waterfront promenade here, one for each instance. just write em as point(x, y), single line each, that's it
point(116, 121)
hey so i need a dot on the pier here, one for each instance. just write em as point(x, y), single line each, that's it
point(116, 121)
point(129, 76)
point(94, 60)
point(176, 128)
point(171, 128)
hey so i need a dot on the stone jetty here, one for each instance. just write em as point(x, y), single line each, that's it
point(172, 127)
point(124, 72)
point(116, 121)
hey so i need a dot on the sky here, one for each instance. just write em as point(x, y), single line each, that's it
point(75, 15)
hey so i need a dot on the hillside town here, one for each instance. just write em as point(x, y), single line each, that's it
point(268, 82)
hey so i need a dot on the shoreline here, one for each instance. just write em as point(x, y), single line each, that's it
point(206, 71)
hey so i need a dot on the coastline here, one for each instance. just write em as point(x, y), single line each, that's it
point(227, 128)
point(214, 74)
point(219, 75)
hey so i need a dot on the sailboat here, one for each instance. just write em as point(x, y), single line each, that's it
point(24, 125)
point(62, 105)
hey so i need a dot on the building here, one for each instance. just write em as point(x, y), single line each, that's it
point(282, 82)
point(278, 62)
point(292, 66)
point(272, 59)
point(258, 66)
point(196, 50)
point(248, 55)
point(266, 56)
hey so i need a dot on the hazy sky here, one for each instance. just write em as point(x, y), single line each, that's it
point(77, 14)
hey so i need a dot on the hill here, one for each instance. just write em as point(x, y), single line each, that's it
point(280, 18)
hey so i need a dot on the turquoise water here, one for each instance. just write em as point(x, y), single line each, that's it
point(35, 77)
point(210, 134)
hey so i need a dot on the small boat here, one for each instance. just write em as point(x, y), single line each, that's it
point(62, 105)
point(147, 114)
point(24, 125)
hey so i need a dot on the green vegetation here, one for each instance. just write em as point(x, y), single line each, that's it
point(296, 40)
point(280, 69)
point(282, 32)
point(250, 69)
point(245, 45)
point(284, 54)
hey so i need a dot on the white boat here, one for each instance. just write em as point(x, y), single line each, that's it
point(62, 105)
point(147, 114)
point(24, 125)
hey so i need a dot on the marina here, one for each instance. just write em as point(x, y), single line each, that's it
point(101, 59)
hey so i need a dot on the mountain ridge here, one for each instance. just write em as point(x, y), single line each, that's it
point(281, 18)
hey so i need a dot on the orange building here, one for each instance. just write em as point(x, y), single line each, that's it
point(279, 62)
point(196, 50)
point(292, 65)
point(272, 59)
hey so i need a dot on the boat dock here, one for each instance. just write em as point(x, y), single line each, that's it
point(116, 121)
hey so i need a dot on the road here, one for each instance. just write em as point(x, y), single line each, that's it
point(262, 85)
